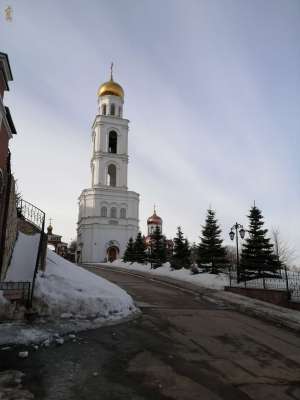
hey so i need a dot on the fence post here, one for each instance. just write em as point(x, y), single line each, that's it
point(286, 279)
point(37, 263)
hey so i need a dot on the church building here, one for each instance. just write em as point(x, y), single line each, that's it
point(108, 211)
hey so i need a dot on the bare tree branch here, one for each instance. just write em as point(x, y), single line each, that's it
point(285, 253)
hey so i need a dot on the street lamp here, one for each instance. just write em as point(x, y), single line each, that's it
point(237, 228)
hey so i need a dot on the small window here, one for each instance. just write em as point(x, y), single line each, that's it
point(113, 212)
point(104, 109)
point(112, 109)
point(123, 213)
point(103, 212)
point(120, 111)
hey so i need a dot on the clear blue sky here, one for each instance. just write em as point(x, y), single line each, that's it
point(212, 90)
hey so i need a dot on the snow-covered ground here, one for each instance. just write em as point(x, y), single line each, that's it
point(68, 298)
point(24, 258)
point(208, 280)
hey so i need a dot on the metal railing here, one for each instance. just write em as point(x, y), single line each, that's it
point(31, 213)
point(16, 290)
point(288, 281)
point(35, 217)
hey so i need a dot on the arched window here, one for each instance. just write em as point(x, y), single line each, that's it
point(112, 109)
point(112, 142)
point(111, 175)
point(103, 212)
point(123, 213)
point(104, 109)
point(113, 212)
point(120, 111)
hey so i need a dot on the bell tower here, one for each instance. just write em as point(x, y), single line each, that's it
point(108, 212)
point(110, 138)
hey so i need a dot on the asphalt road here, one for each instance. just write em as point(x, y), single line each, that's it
point(184, 346)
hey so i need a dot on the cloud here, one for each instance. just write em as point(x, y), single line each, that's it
point(211, 95)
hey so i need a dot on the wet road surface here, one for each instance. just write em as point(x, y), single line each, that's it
point(184, 346)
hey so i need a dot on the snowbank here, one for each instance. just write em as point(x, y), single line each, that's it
point(24, 258)
point(66, 290)
point(2, 299)
point(203, 279)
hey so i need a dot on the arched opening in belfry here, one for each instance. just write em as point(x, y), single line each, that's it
point(104, 109)
point(112, 142)
point(111, 175)
point(112, 109)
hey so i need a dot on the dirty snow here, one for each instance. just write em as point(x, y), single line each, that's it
point(66, 290)
point(24, 258)
point(68, 299)
point(205, 279)
point(3, 300)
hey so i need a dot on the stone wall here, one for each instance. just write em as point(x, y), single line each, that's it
point(278, 297)
point(11, 230)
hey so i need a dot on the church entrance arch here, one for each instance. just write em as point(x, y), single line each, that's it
point(112, 253)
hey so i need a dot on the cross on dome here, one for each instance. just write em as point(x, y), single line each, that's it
point(111, 87)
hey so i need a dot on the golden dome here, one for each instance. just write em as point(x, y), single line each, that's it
point(111, 88)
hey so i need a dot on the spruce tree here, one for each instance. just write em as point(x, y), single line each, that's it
point(129, 252)
point(181, 252)
point(158, 248)
point(139, 249)
point(211, 253)
point(257, 253)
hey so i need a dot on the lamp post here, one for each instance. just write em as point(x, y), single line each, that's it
point(237, 228)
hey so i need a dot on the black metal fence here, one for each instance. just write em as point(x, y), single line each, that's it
point(16, 290)
point(31, 213)
point(284, 280)
point(35, 217)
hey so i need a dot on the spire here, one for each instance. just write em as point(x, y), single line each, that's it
point(111, 71)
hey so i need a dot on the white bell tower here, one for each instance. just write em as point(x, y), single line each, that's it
point(108, 212)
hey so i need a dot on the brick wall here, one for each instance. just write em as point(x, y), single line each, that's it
point(11, 230)
point(3, 146)
point(3, 84)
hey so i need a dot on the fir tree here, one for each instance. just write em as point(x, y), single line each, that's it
point(129, 252)
point(139, 249)
point(257, 254)
point(181, 252)
point(211, 253)
point(158, 248)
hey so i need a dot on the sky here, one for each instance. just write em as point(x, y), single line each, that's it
point(212, 92)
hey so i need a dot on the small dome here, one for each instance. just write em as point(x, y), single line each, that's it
point(49, 229)
point(154, 220)
point(111, 88)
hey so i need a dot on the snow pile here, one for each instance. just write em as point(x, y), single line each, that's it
point(3, 300)
point(24, 258)
point(66, 290)
point(203, 279)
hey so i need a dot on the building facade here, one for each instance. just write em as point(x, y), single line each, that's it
point(108, 211)
point(8, 211)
